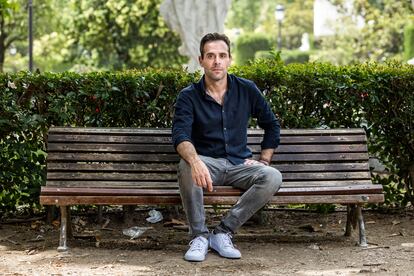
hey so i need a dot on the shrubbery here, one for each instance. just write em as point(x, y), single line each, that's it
point(288, 56)
point(376, 96)
point(248, 44)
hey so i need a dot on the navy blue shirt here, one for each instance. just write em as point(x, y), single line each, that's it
point(221, 130)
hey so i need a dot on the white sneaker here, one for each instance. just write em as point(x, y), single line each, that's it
point(222, 243)
point(198, 250)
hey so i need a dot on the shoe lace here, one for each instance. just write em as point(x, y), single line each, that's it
point(197, 244)
point(226, 240)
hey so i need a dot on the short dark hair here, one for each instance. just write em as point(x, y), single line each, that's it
point(213, 37)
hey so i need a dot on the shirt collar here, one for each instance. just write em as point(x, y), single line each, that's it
point(201, 86)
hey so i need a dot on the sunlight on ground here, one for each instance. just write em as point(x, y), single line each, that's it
point(333, 272)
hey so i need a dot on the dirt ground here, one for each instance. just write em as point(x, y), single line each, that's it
point(287, 243)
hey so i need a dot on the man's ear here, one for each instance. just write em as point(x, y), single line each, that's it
point(200, 59)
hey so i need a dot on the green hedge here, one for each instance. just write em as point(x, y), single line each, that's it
point(288, 56)
point(248, 44)
point(378, 97)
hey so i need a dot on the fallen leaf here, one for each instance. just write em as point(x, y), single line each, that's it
point(56, 223)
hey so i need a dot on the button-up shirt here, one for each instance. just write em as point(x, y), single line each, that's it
point(220, 131)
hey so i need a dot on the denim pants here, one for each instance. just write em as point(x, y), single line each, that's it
point(259, 182)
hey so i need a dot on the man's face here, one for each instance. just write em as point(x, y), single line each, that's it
point(216, 60)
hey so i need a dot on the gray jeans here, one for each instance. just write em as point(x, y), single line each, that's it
point(260, 183)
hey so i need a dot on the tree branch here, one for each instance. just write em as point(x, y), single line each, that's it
point(12, 39)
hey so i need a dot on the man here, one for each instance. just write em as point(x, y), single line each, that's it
point(210, 135)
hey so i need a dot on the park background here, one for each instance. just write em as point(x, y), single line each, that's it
point(116, 63)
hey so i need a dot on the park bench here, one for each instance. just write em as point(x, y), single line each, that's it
point(137, 166)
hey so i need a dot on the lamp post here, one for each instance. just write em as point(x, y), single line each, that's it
point(30, 8)
point(279, 15)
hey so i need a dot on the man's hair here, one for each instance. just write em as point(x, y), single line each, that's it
point(213, 37)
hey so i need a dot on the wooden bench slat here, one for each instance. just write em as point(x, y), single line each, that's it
point(173, 184)
point(140, 148)
point(172, 167)
point(120, 157)
point(218, 190)
point(164, 131)
point(67, 138)
point(173, 176)
point(220, 200)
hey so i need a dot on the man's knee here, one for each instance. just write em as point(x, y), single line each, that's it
point(273, 178)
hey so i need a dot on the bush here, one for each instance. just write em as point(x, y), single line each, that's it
point(263, 55)
point(248, 44)
point(295, 56)
point(377, 97)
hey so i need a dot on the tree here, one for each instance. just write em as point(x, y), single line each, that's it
point(118, 34)
point(14, 28)
point(258, 16)
point(11, 26)
point(245, 14)
point(380, 39)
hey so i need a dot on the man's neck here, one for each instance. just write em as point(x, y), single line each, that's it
point(216, 87)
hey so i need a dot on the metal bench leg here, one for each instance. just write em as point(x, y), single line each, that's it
point(63, 230)
point(100, 211)
point(361, 224)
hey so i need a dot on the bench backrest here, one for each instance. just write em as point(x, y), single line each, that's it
point(145, 158)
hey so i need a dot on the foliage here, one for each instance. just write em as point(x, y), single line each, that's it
point(119, 34)
point(380, 39)
point(89, 36)
point(295, 56)
point(244, 14)
point(14, 26)
point(22, 156)
point(258, 16)
point(409, 42)
point(248, 44)
point(288, 56)
point(376, 96)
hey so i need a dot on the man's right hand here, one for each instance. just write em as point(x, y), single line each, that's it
point(201, 175)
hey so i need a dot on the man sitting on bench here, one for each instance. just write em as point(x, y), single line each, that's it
point(210, 134)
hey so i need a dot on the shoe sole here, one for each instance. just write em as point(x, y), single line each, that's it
point(227, 257)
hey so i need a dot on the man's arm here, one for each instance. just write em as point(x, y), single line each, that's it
point(265, 158)
point(199, 171)
point(181, 136)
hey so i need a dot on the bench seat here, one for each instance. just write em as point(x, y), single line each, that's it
point(137, 166)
